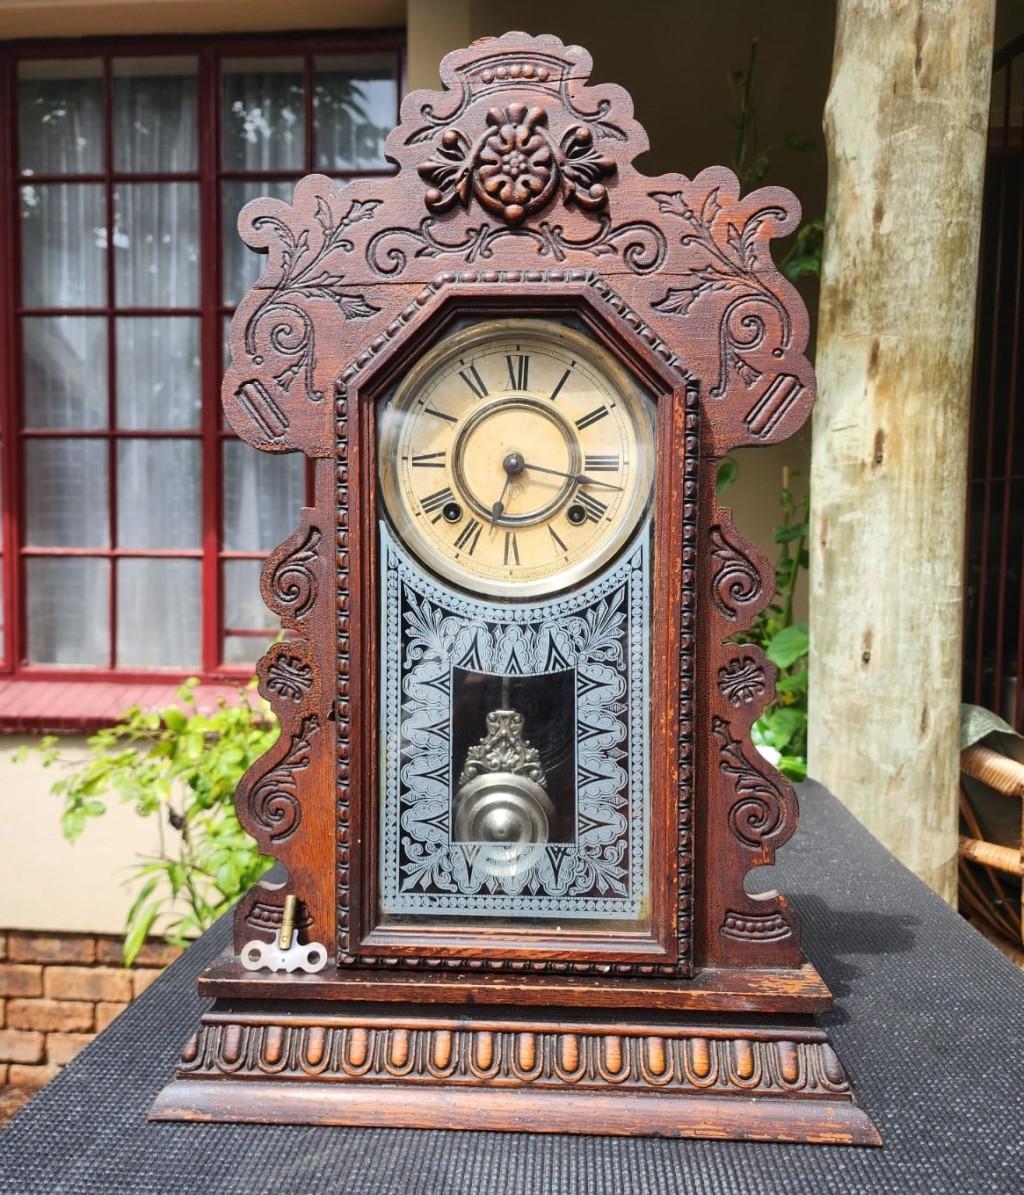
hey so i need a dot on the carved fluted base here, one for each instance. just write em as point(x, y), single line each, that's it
point(449, 1069)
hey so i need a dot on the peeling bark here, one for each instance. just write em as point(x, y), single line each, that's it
point(906, 123)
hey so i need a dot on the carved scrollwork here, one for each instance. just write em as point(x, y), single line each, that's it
point(741, 681)
point(293, 581)
point(281, 323)
point(290, 677)
point(732, 265)
point(760, 811)
point(735, 580)
point(515, 168)
point(641, 245)
point(273, 801)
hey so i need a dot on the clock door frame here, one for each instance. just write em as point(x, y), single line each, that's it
point(661, 949)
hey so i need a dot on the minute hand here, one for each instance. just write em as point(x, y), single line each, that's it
point(579, 478)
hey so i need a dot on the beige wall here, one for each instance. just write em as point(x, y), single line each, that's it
point(48, 883)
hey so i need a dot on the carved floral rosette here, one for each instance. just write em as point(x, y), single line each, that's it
point(520, 170)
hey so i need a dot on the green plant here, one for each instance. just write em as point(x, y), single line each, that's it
point(750, 163)
point(781, 730)
point(180, 766)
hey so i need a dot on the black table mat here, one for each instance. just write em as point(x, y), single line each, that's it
point(928, 1024)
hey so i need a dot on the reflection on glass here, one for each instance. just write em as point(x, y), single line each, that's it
point(63, 245)
point(167, 472)
point(244, 608)
point(66, 493)
point(60, 116)
point(262, 492)
point(262, 114)
point(65, 371)
point(245, 649)
point(156, 238)
point(68, 611)
point(355, 100)
point(241, 265)
point(158, 372)
point(158, 603)
point(154, 110)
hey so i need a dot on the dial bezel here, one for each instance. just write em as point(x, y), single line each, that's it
point(565, 339)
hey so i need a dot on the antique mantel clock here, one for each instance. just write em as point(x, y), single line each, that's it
point(514, 800)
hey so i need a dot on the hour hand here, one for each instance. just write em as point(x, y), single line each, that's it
point(579, 478)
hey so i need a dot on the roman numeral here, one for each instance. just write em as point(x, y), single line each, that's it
point(440, 414)
point(561, 382)
point(471, 376)
point(518, 371)
point(591, 417)
point(511, 547)
point(468, 537)
point(430, 460)
point(594, 507)
point(436, 501)
point(559, 543)
point(597, 464)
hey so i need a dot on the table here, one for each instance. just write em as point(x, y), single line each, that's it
point(929, 1021)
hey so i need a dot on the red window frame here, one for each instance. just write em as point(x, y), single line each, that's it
point(212, 432)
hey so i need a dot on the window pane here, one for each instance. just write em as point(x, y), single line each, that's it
point(355, 100)
point(65, 371)
point(158, 372)
point(158, 493)
point(241, 266)
point(262, 496)
point(263, 114)
point(155, 122)
point(158, 604)
point(63, 245)
point(60, 116)
point(156, 236)
point(244, 608)
point(245, 649)
point(66, 493)
point(68, 611)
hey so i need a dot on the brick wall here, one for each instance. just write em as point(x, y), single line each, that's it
point(57, 991)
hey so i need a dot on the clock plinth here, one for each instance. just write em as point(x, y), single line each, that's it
point(514, 793)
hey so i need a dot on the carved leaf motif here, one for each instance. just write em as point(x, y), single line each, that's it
point(760, 810)
point(293, 584)
point(290, 677)
point(740, 681)
point(273, 801)
point(736, 581)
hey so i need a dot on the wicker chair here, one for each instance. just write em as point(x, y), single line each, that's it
point(991, 871)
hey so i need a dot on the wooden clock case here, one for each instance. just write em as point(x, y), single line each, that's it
point(516, 195)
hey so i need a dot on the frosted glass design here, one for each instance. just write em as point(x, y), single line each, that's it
point(155, 115)
point(156, 241)
point(60, 116)
point(158, 493)
point(68, 612)
point(355, 106)
point(262, 494)
point(262, 114)
point(594, 645)
point(158, 383)
point(63, 245)
point(66, 493)
point(65, 371)
point(158, 606)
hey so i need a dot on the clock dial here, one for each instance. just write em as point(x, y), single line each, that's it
point(516, 457)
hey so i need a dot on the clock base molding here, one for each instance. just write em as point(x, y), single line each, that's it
point(454, 1068)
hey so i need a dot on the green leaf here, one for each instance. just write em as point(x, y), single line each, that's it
point(788, 645)
point(175, 719)
point(780, 724)
point(799, 142)
point(728, 470)
point(138, 933)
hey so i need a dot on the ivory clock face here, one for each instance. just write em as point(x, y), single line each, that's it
point(516, 457)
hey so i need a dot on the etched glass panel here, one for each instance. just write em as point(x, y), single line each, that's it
point(550, 697)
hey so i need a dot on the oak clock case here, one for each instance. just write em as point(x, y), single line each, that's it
point(514, 803)
point(516, 461)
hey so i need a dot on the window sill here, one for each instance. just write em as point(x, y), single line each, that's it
point(68, 707)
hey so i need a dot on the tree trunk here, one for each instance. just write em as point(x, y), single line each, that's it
point(906, 124)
